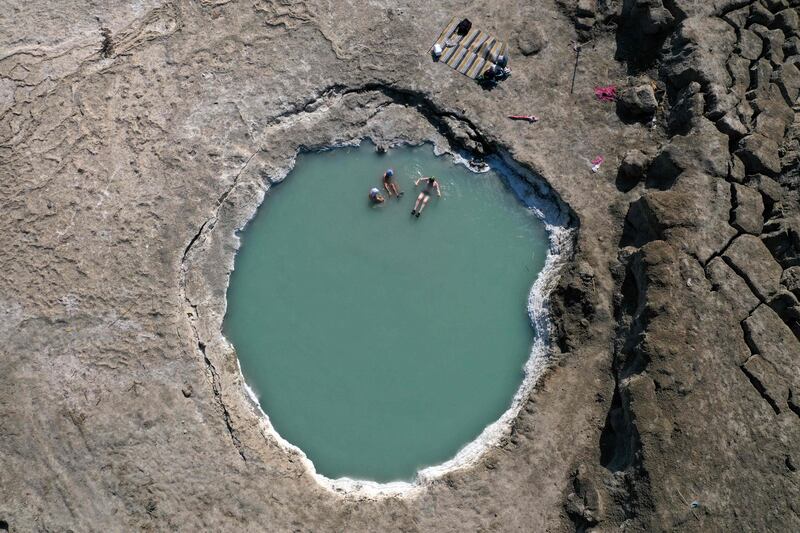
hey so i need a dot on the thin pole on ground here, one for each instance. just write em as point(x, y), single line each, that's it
point(577, 49)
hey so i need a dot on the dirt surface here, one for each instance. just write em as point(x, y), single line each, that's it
point(136, 138)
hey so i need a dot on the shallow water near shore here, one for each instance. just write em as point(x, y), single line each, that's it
point(377, 342)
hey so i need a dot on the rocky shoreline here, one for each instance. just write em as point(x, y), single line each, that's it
point(137, 146)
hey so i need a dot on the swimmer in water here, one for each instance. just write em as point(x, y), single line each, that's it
point(425, 195)
point(390, 185)
point(375, 196)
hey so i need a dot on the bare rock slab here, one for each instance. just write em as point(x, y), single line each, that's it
point(731, 289)
point(767, 381)
point(748, 215)
point(759, 154)
point(684, 216)
point(768, 336)
point(751, 259)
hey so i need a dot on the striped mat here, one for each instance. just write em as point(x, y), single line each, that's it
point(474, 52)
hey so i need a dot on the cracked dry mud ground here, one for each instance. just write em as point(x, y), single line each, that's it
point(135, 138)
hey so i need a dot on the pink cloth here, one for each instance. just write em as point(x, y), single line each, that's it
point(598, 160)
point(606, 94)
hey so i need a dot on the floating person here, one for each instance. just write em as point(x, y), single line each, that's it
point(390, 185)
point(425, 195)
point(375, 196)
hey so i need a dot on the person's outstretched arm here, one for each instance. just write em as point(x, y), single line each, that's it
point(438, 189)
point(416, 182)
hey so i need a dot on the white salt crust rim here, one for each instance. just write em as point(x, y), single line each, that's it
point(536, 195)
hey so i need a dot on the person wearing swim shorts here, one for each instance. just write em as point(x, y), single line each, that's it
point(430, 184)
point(375, 196)
point(390, 185)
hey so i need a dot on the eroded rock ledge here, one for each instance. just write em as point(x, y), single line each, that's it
point(707, 357)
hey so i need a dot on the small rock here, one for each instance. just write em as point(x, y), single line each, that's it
point(748, 213)
point(791, 46)
point(656, 20)
point(770, 126)
point(750, 45)
point(774, 40)
point(760, 30)
point(639, 101)
point(788, 20)
point(791, 280)
point(789, 82)
point(736, 170)
point(731, 126)
point(187, 391)
point(751, 259)
point(776, 107)
point(745, 112)
point(530, 40)
point(760, 15)
point(760, 76)
point(782, 238)
point(719, 101)
point(634, 164)
point(783, 303)
point(771, 191)
point(759, 154)
point(689, 106)
point(381, 148)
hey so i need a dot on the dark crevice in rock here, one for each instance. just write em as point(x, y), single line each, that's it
point(224, 196)
point(620, 444)
point(615, 439)
point(107, 46)
point(732, 212)
point(217, 389)
point(754, 380)
point(194, 239)
point(722, 250)
point(744, 277)
point(761, 390)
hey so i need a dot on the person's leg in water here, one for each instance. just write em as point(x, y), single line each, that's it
point(424, 203)
point(396, 189)
point(416, 205)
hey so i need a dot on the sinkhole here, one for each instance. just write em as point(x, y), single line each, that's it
point(376, 342)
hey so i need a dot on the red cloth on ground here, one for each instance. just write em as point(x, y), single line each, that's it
point(606, 94)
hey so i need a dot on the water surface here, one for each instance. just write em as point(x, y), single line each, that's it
point(379, 343)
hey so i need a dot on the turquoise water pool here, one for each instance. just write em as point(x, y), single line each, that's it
point(377, 342)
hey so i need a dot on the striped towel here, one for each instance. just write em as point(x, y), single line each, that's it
point(473, 53)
